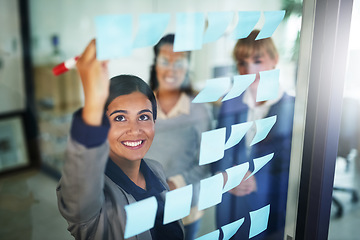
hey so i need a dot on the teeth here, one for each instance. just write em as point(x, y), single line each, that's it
point(169, 80)
point(132, 144)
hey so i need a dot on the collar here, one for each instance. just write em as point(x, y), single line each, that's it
point(153, 184)
point(181, 107)
point(248, 99)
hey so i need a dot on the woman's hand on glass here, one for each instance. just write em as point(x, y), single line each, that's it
point(95, 79)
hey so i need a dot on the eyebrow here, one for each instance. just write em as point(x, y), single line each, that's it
point(124, 111)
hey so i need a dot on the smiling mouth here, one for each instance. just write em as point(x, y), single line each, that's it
point(169, 80)
point(133, 144)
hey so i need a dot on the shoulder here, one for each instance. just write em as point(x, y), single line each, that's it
point(233, 106)
point(153, 165)
point(203, 109)
point(157, 169)
point(286, 103)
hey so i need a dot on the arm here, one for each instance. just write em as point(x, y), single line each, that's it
point(95, 80)
point(80, 191)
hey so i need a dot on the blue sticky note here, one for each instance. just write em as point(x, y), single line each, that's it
point(189, 31)
point(235, 176)
point(246, 23)
point(140, 216)
point(260, 163)
point(113, 36)
point(238, 131)
point(230, 229)
point(212, 146)
point(210, 191)
point(272, 21)
point(151, 27)
point(268, 88)
point(259, 221)
point(263, 127)
point(213, 90)
point(241, 83)
point(210, 236)
point(177, 204)
point(217, 24)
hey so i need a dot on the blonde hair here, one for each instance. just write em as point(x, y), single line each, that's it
point(248, 47)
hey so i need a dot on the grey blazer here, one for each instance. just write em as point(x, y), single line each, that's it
point(92, 204)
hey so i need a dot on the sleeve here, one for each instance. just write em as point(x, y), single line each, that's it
point(80, 190)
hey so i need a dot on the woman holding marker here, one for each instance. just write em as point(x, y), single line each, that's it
point(269, 185)
point(105, 169)
point(179, 125)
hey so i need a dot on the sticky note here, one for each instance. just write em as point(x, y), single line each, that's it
point(151, 27)
point(177, 204)
point(263, 127)
point(235, 176)
point(230, 229)
point(213, 90)
point(238, 131)
point(246, 23)
point(140, 216)
point(268, 86)
point(212, 146)
point(272, 21)
point(217, 24)
point(260, 162)
point(113, 36)
point(189, 31)
point(259, 221)
point(210, 236)
point(210, 191)
point(241, 83)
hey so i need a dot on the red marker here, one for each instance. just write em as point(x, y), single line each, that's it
point(65, 66)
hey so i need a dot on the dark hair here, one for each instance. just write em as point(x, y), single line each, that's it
point(154, 83)
point(126, 84)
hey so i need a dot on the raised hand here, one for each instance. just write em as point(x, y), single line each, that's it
point(95, 80)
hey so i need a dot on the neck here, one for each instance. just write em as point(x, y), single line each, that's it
point(131, 169)
point(253, 96)
point(167, 99)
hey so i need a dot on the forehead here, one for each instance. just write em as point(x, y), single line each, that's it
point(254, 54)
point(166, 51)
point(134, 101)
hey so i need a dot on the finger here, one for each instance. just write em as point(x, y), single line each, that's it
point(90, 51)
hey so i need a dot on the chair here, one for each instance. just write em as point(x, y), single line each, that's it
point(347, 148)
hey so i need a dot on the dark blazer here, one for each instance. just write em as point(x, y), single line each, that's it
point(272, 179)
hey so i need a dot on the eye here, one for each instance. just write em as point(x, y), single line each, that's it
point(180, 64)
point(241, 63)
point(119, 118)
point(144, 117)
point(257, 61)
point(162, 62)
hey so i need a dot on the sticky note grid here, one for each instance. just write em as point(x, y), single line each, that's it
point(115, 39)
point(114, 33)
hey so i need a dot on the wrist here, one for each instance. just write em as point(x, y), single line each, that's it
point(92, 114)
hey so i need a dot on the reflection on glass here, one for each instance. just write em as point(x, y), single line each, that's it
point(344, 210)
point(58, 97)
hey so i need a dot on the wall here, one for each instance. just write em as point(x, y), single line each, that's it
point(12, 94)
point(73, 22)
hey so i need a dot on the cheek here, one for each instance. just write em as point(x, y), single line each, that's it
point(111, 134)
point(180, 76)
point(149, 129)
point(114, 133)
point(159, 73)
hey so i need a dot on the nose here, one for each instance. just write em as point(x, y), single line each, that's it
point(133, 128)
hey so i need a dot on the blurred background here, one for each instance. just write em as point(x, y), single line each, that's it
point(36, 107)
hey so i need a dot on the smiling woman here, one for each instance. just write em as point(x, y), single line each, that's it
point(111, 134)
